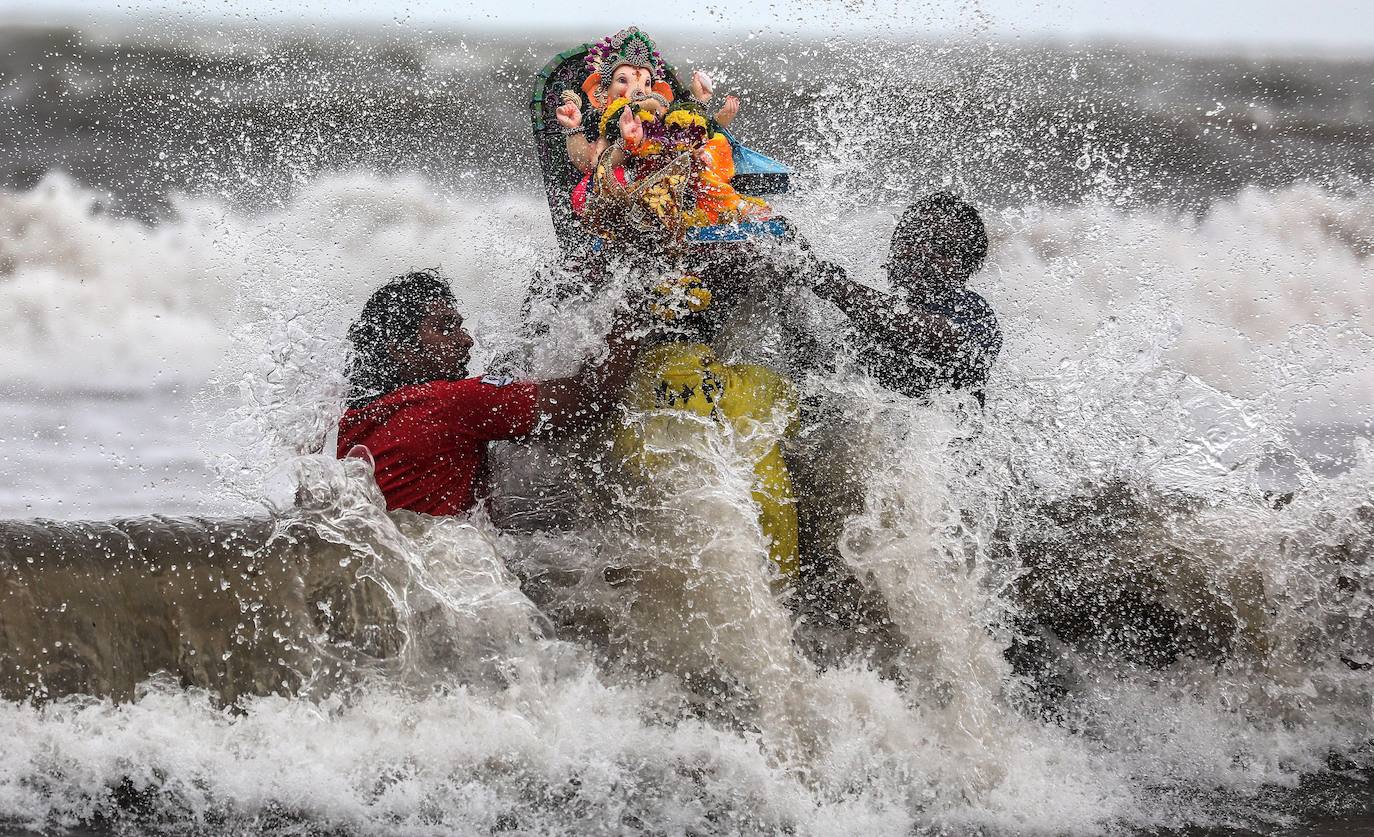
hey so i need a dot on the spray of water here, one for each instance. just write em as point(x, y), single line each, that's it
point(1127, 594)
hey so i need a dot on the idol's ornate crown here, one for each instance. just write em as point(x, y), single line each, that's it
point(628, 46)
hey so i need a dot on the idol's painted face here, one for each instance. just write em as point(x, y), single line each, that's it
point(628, 82)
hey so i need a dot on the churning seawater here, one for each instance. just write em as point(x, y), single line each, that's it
point(1131, 594)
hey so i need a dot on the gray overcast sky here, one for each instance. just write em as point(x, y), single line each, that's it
point(1345, 25)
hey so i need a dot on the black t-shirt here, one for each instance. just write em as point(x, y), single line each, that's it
point(903, 358)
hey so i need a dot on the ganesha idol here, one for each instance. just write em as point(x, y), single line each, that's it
point(644, 154)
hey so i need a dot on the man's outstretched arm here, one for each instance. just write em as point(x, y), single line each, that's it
point(568, 402)
point(874, 312)
point(868, 308)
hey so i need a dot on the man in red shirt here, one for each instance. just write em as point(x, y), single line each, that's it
point(423, 422)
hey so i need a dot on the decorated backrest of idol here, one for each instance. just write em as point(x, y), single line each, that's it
point(649, 161)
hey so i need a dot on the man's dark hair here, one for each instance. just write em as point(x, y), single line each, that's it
point(391, 317)
point(960, 233)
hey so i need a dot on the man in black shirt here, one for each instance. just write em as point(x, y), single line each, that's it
point(931, 332)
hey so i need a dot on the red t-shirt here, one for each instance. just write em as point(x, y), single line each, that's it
point(429, 441)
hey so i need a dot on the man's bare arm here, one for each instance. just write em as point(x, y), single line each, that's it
point(874, 312)
point(569, 402)
point(866, 307)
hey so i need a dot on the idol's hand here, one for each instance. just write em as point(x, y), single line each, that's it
point(630, 126)
point(701, 86)
point(569, 115)
point(728, 111)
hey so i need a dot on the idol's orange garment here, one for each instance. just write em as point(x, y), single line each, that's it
point(717, 200)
